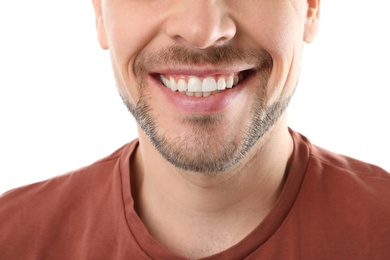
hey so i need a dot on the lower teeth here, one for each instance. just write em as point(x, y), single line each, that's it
point(199, 94)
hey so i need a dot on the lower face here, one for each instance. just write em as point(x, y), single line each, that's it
point(206, 134)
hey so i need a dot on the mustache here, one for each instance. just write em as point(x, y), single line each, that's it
point(220, 56)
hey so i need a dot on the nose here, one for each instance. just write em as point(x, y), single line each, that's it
point(200, 24)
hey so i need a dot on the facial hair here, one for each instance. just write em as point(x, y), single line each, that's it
point(205, 152)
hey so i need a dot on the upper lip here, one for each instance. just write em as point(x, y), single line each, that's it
point(203, 71)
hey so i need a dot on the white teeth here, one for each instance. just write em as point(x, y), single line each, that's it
point(221, 84)
point(173, 84)
point(198, 94)
point(209, 84)
point(235, 80)
point(229, 82)
point(182, 85)
point(194, 84)
point(201, 88)
point(164, 80)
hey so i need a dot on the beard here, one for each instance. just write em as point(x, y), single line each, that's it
point(201, 149)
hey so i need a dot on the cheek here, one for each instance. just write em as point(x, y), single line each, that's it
point(281, 35)
point(286, 53)
point(128, 33)
point(284, 76)
point(277, 27)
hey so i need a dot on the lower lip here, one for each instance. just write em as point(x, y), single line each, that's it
point(200, 105)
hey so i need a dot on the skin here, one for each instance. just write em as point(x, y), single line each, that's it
point(200, 161)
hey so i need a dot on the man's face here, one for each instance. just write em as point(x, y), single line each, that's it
point(205, 79)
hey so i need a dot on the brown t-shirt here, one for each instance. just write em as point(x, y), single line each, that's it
point(331, 207)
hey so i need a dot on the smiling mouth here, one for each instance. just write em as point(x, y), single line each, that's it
point(196, 86)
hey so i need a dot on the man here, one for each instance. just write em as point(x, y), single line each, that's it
point(215, 172)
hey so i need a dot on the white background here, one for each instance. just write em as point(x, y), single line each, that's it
point(59, 108)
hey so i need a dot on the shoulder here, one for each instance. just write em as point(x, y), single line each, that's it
point(343, 167)
point(43, 210)
point(322, 161)
point(349, 183)
point(75, 180)
point(341, 182)
point(345, 189)
point(344, 200)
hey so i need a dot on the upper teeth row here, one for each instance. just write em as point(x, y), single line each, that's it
point(197, 87)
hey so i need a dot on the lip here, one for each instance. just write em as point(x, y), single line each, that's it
point(204, 71)
point(212, 104)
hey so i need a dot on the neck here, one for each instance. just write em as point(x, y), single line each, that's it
point(225, 206)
